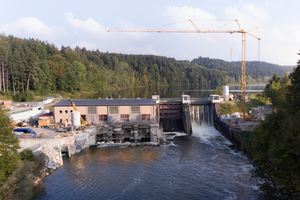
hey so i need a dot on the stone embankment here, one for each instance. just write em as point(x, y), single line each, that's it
point(73, 143)
point(52, 155)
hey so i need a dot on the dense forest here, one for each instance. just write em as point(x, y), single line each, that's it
point(42, 68)
point(275, 141)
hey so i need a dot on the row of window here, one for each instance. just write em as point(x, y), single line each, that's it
point(124, 118)
point(112, 110)
point(66, 111)
point(115, 110)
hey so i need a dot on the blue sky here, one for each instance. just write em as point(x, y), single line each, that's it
point(85, 24)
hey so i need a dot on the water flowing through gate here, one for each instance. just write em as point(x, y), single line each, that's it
point(201, 115)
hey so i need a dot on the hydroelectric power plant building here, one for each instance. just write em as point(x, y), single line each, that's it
point(123, 120)
point(113, 111)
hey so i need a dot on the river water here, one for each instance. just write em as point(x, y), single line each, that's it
point(202, 166)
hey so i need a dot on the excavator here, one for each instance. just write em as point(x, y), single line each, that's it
point(83, 122)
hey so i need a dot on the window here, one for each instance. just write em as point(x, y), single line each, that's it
point(113, 110)
point(216, 97)
point(92, 110)
point(60, 111)
point(135, 110)
point(145, 117)
point(103, 118)
point(66, 111)
point(124, 118)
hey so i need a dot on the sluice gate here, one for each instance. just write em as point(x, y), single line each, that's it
point(202, 115)
point(171, 117)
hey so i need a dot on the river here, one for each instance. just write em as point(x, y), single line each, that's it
point(202, 166)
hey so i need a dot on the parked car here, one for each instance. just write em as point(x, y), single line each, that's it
point(25, 130)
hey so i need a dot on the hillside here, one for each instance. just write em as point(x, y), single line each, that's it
point(39, 66)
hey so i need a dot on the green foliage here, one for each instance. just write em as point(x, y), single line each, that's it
point(276, 140)
point(218, 90)
point(23, 97)
point(9, 144)
point(277, 90)
point(229, 108)
point(33, 65)
point(27, 155)
point(19, 184)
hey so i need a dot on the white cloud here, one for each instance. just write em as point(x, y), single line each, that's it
point(87, 45)
point(31, 27)
point(89, 25)
point(180, 14)
point(256, 12)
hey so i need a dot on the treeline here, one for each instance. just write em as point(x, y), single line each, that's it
point(39, 66)
point(256, 71)
point(275, 141)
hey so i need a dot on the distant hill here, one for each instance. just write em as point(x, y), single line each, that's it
point(39, 66)
point(253, 68)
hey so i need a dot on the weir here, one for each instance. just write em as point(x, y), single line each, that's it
point(202, 115)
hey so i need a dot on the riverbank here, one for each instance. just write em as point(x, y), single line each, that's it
point(288, 182)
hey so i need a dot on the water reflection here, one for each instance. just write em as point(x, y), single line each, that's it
point(168, 91)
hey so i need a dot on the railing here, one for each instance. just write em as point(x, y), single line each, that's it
point(170, 99)
point(199, 99)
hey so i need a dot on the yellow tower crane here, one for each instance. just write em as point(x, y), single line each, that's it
point(217, 30)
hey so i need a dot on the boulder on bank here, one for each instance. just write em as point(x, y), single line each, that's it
point(53, 157)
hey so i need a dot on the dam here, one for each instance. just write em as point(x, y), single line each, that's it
point(137, 120)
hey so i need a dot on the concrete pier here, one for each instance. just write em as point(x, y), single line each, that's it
point(128, 133)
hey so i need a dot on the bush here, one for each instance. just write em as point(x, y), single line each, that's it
point(19, 184)
point(27, 155)
point(24, 97)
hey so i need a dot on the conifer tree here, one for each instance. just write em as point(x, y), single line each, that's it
point(9, 144)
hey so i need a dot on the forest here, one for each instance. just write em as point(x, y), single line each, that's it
point(30, 66)
point(275, 141)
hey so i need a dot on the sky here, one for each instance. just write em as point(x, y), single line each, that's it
point(86, 24)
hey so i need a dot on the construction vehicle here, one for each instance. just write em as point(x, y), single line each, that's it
point(23, 123)
point(83, 122)
point(216, 30)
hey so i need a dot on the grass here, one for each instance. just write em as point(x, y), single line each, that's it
point(235, 106)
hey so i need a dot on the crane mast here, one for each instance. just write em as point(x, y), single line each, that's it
point(240, 30)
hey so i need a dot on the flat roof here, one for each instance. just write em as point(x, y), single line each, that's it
point(110, 102)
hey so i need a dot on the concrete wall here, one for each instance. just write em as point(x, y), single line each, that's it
point(124, 110)
point(113, 118)
point(186, 119)
point(53, 142)
point(147, 110)
point(221, 126)
point(65, 113)
point(135, 118)
point(102, 110)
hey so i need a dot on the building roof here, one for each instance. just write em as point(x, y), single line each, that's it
point(110, 102)
point(50, 114)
